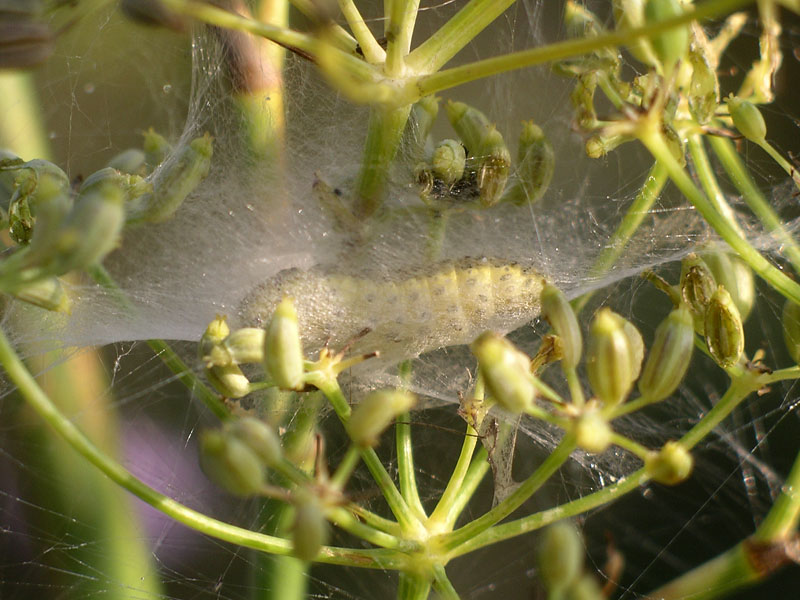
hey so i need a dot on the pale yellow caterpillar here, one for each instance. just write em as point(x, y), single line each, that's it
point(450, 303)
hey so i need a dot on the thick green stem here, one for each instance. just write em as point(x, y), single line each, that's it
point(369, 46)
point(402, 18)
point(442, 584)
point(413, 587)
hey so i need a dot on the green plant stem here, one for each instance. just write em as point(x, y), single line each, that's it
point(346, 520)
point(346, 467)
point(161, 349)
point(39, 401)
point(402, 18)
point(725, 151)
point(652, 139)
point(370, 48)
point(413, 587)
point(791, 171)
point(628, 444)
point(575, 387)
point(340, 38)
point(781, 520)
point(405, 465)
point(442, 518)
point(459, 31)
point(519, 496)
point(448, 78)
point(442, 584)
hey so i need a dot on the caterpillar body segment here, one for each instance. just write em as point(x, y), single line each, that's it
point(449, 303)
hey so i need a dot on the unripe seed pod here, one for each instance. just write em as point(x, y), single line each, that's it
point(747, 119)
point(470, 124)
point(130, 161)
point(724, 331)
point(231, 464)
point(156, 148)
point(558, 312)
point(375, 413)
point(636, 345)
point(46, 293)
point(671, 45)
point(791, 329)
point(697, 287)
point(736, 276)
point(609, 362)
point(229, 381)
point(283, 351)
point(561, 555)
point(494, 166)
point(506, 372)
point(448, 161)
point(535, 165)
point(260, 438)
point(592, 432)
point(671, 465)
point(585, 587)
point(246, 345)
point(310, 531)
point(669, 356)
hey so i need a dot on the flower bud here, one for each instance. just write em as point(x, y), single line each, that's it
point(558, 312)
point(229, 381)
point(697, 287)
point(668, 46)
point(449, 159)
point(636, 345)
point(506, 372)
point(45, 293)
point(130, 161)
point(41, 197)
point(561, 555)
point(231, 464)
point(723, 329)
point(134, 188)
point(156, 148)
point(703, 88)
point(470, 124)
point(375, 413)
point(260, 438)
point(736, 276)
point(494, 165)
point(283, 351)
point(669, 356)
point(597, 146)
point(670, 465)
point(246, 345)
point(535, 165)
point(791, 329)
point(310, 531)
point(592, 432)
point(610, 360)
point(747, 119)
point(212, 337)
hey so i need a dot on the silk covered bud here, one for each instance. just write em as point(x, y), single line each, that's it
point(636, 345)
point(561, 555)
point(469, 123)
point(535, 165)
point(46, 293)
point(670, 465)
point(448, 161)
point(40, 201)
point(669, 355)
point(494, 163)
point(703, 88)
point(156, 148)
point(246, 345)
point(558, 312)
point(697, 287)
point(260, 438)
point(506, 372)
point(736, 276)
point(592, 432)
point(231, 464)
point(310, 530)
point(375, 413)
point(747, 118)
point(133, 187)
point(283, 350)
point(130, 161)
point(791, 329)
point(724, 331)
point(668, 46)
point(610, 362)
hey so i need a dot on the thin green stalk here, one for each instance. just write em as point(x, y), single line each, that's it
point(372, 51)
point(652, 139)
point(345, 520)
point(413, 587)
point(475, 474)
point(346, 467)
point(405, 465)
point(516, 499)
point(781, 520)
point(725, 151)
point(448, 78)
point(784, 164)
point(628, 444)
point(402, 19)
point(38, 400)
point(442, 584)
point(441, 515)
point(339, 37)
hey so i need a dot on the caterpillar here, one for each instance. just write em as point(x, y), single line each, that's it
point(449, 303)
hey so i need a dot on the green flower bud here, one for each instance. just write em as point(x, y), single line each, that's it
point(246, 345)
point(736, 276)
point(723, 329)
point(211, 341)
point(697, 287)
point(747, 119)
point(535, 165)
point(45, 293)
point(670, 465)
point(375, 413)
point(791, 329)
point(592, 432)
point(260, 438)
point(558, 312)
point(610, 360)
point(231, 464)
point(229, 381)
point(597, 146)
point(561, 555)
point(703, 88)
point(669, 356)
point(310, 531)
point(448, 161)
point(470, 124)
point(130, 161)
point(585, 587)
point(283, 351)
point(636, 345)
point(156, 148)
point(494, 165)
point(671, 45)
point(41, 197)
point(133, 187)
point(506, 372)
